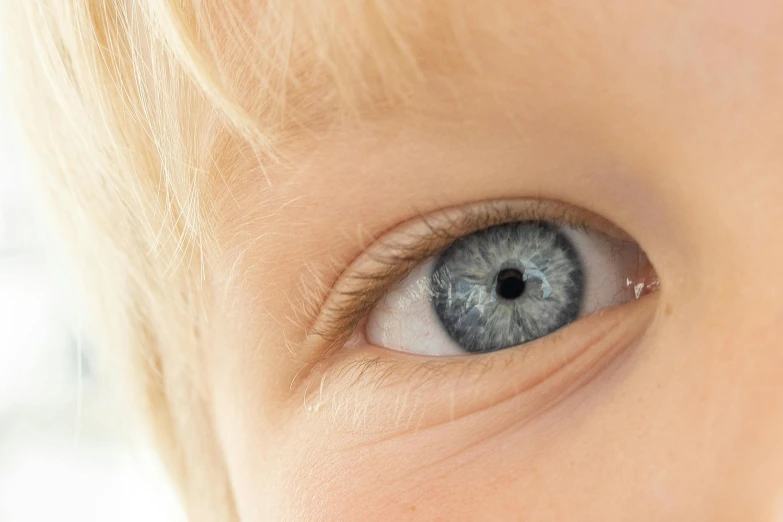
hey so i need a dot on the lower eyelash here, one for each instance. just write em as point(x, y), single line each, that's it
point(349, 389)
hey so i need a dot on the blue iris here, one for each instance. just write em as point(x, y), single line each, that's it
point(507, 285)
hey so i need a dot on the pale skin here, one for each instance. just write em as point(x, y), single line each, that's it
point(663, 118)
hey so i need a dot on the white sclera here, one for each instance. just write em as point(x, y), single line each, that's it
point(404, 320)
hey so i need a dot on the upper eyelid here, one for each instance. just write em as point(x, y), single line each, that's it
point(391, 257)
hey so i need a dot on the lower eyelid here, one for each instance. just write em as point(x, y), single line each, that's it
point(393, 392)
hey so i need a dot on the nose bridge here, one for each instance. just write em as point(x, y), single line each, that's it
point(739, 273)
point(733, 322)
point(735, 224)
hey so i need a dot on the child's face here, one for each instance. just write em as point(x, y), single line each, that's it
point(664, 119)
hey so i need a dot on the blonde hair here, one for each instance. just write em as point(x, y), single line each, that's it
point(137, 111)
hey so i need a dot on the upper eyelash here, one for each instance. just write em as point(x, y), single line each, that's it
point(355, 294)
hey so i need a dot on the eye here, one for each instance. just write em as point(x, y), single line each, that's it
point(506, 285)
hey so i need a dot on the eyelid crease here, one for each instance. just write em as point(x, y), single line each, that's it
point(389, 259)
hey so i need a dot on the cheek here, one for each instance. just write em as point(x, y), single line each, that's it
point(495, 464)
point(650, 438)
point(446, 473)
point(503, 461)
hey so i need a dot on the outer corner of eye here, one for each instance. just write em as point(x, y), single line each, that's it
point(506, 285)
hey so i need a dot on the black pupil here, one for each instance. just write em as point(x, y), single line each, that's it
point(509, 283)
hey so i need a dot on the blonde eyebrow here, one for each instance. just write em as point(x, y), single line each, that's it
point(281, 70)
point(296, 64)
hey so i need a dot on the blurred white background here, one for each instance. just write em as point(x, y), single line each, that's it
point(64, 452)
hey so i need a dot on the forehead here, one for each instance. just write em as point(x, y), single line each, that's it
point(597, 67)
point(301, 63)
point(360, 97)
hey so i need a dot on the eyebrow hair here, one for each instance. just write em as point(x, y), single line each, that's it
point(281, 63)
point(293, 69)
